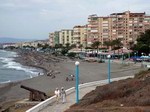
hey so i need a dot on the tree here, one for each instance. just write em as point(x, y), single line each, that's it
point(96, 45)
point(81, 46)
point(73, 46)
point(108, 44)
point(64, 51)
point(67, 45)
point(39, 45)
point(143, 42)
point(131, 45)
point(117, 44)
point(45, 46)
point(58, 46)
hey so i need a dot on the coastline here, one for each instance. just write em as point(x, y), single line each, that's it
point(11, 92)
point(20, 59)
point(16, 63)
point(62, 67)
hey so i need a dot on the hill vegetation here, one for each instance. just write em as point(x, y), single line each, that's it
point(130, 95)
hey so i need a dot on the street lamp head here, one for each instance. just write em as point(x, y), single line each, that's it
point(108, 56)
point(142, 53)
point(135, 53)
point(77, 63)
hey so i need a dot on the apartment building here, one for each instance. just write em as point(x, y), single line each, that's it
point(92, 29)
point(127, 26)
point(80, 35)
point(51, 39)
point(66, 36)
point(56, 37)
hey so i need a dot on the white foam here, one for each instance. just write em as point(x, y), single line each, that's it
point(5, 82)
point(3, 51)
point(9, 63)
point(5, 60)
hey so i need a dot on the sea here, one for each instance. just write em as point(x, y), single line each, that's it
point(11, 71)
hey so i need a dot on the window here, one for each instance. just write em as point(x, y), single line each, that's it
point(105, 30)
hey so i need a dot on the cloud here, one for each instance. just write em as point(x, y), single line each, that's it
point(44, 12)
point(36, 18)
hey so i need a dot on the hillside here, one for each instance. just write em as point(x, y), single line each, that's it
point(130, 95)
point(12, 40)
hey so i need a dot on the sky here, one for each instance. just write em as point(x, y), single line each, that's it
point(35, 19)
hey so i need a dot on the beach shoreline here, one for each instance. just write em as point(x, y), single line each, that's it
point(24, 59)
point(17, 63)
point(61, 67)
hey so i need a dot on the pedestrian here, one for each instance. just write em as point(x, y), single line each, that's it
point(67, 79)
point(57, 93)
point(63, 95)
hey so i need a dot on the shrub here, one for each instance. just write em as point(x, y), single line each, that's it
point(71, 55)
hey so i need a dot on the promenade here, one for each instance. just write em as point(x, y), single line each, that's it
point(71, 98)
point(89, 72)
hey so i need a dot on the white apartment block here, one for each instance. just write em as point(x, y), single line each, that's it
point(66, 36)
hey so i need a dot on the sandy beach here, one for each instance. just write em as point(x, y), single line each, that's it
point(61, 67)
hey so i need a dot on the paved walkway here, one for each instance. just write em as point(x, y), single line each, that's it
point(70, 101)
point(54, 107)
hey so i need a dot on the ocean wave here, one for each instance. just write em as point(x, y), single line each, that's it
point(5, 60)
point(3, 51)
point(9, 63)
point(5, 82)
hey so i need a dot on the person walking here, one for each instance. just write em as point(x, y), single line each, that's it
point(57, 93)
point(63, 95)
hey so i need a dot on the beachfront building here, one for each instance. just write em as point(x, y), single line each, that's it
point(99, 29)
point(66, 36)
point(51, 39)
point(56, 37)
point(34, 43)
point(19, 44)
point(80, 35)
point(92, 30)
point(5, 45)
point(127, 26)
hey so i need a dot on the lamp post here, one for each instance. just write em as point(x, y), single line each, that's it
point(100, 55)
point(142, 58)
point(122, 58)
point(77, 81)
point(135, 57)
point(109, 56)
point(129, 55)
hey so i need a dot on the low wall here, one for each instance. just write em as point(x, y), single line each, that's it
point(47, 102)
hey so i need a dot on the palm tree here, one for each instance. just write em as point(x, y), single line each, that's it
point(73, 46)
point(81, 46)
point(117, 44)
point(108, 44)
point(96, 45)
point(67, 45)
point(131, 45)
point(39, 45)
